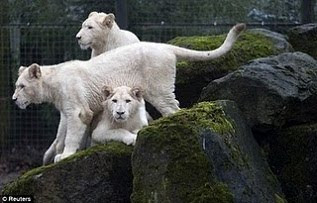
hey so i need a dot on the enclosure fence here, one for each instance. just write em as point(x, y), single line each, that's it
point(33, 32)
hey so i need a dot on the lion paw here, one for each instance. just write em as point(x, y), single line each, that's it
point(59, 157)
point(128, 140)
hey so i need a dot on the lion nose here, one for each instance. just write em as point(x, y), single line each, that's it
point(120, 113)
point(78, 37)
point(14, 99)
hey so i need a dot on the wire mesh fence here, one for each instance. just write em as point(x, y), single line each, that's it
point(44, 32)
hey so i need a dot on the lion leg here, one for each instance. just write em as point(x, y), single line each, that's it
point(50, 153)
point(75, 134)
point(97, 135)
point(61, 134)
point(102, 134)
point(165, 103)
point(58, 145)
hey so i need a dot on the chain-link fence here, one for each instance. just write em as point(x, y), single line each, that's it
point(43, 31)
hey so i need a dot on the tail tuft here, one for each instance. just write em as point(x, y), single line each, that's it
point(240, 27)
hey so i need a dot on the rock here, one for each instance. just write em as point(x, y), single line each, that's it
point(99, 174)
point(203, 154)
point(304, 38)
point(193, 76)
point(271, 92)
point(292, 155)
point(280, 41)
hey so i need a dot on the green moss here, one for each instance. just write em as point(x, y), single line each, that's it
point(114, 148)
point(23, 185)
point(178, 137)
point(249, 46)
point(208, 115)
point(205, 115)
point(217, 193)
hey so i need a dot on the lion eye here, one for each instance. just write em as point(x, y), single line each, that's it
point(114, 101)
point(22, 86)
point(90, 27)
point(128, 100)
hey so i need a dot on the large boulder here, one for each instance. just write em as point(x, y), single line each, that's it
point(292, 155)
point(203, 154)
point(272, 91)
point(99, 174)
point(304, 38)
point(279, 40)
point(193, 76)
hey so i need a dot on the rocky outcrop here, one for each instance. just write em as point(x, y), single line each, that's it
point(193, 76)
point(279, 41)
point(304, 38)
point(203, 154)
point(271, 92)
point(99, 174)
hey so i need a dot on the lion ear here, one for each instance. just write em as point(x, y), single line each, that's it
point(137, 92)
point(35, 71)
point(21, 69)
point(109, 20)
point(107, 91)
point(92, 14)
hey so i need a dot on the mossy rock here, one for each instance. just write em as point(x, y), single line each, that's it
point(193, 76)
point(98, 174)
point(272, 92)
point(203, 154)
point(304, 38)
point(293, 157)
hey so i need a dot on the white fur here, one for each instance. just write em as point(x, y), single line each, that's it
point(101, 33)
point(75, 86)
point(123, 116)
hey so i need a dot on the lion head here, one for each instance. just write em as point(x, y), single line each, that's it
point(94, 29)
point(122, 102)
point(29, 86)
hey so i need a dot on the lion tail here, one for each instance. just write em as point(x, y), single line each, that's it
point(192, 55)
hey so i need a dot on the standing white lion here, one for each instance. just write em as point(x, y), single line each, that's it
point(74, 87)
point(123, 115)
point(101, 33)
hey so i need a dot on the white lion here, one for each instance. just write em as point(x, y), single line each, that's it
point(123, 116)
point(74, 87)
point(101, 33)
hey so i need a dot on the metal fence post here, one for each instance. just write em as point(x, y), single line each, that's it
point(122, 13)
point(307, 11)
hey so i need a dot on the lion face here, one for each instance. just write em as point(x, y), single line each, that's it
point(95, 29)
point(28, 87)
point(122, 102)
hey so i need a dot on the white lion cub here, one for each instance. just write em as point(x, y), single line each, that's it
point(123, 116)
point(101, 33)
